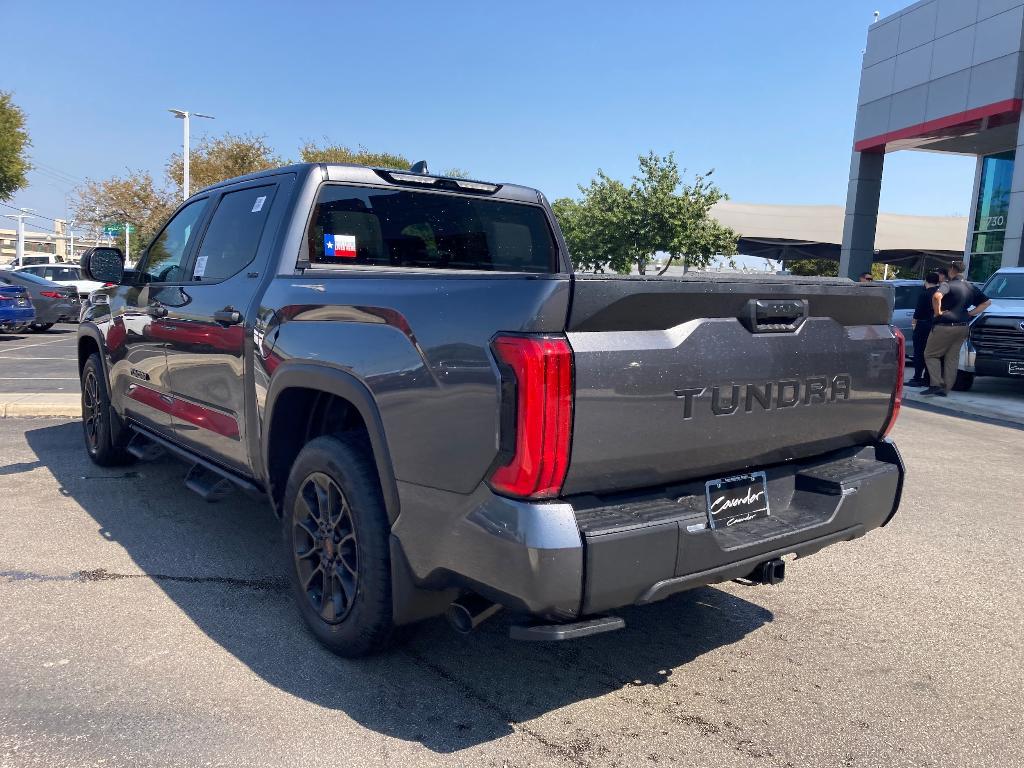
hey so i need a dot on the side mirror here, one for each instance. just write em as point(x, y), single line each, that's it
point(105, 265)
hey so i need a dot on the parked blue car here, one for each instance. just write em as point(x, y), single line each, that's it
point(16, 310)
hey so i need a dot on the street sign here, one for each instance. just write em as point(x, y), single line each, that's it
point(113, 230)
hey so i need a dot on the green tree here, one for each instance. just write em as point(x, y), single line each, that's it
point(14, 144)
point(131, 199)
point(621, 227)
point(339, 153)
point(813, 267)
point(214, 159)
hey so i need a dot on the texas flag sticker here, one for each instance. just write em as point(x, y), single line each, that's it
point(340, 246)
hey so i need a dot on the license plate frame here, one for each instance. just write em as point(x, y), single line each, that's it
point(1015, 369)
point(737, 489)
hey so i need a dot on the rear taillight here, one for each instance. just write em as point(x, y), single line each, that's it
point(897, 394)
point(536, 421)
point(52, 295)
point(109, 285)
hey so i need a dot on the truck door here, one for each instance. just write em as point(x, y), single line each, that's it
point(136, 335)
point(208, 333)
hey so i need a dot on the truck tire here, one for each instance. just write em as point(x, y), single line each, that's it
point(964, 381)
point(336, 540)
point(97, 418)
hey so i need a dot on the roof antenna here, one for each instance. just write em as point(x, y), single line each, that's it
point(420, 167)
point(877, 14)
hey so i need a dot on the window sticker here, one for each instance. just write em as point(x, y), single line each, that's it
point(200, 269)
point(340, 246)
point(258, 205)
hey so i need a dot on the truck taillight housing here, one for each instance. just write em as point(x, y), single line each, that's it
point(536, 415)
point(897, 394)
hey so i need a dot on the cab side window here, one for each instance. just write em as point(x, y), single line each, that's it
point(165, 259)
point(233, 236)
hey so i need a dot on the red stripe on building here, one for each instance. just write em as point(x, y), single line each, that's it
point(940, 125)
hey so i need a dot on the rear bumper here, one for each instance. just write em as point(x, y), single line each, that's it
point(589, 554)
point(16, 317)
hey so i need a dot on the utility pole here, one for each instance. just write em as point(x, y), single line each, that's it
point(182, 114)
point(19, 253)
point(71, 232)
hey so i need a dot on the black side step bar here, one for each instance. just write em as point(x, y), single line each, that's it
point(570, 631)
point(205, 477)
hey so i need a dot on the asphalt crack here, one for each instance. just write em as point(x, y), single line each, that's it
point(102, 574)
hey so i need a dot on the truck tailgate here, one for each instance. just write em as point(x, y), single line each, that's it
point(677, 379)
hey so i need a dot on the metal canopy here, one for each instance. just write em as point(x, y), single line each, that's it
point(790, 232)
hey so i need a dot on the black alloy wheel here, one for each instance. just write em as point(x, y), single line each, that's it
point(325, 548)
point(93, 411)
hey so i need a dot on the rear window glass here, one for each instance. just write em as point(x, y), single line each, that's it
point(400, 228)
point(31, 277)
point(907, 295)
point(62, 273)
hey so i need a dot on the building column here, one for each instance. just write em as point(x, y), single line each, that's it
point(1013, 246)
point(862, 197)
point(972, 217)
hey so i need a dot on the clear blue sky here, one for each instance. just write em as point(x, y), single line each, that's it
point(537, 93)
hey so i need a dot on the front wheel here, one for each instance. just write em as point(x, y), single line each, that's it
point(96, 417)
point(964, 381)
point(40, 327)
point(336, 540)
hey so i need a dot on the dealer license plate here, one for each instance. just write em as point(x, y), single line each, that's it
point(1016, 369)
point(736, 500)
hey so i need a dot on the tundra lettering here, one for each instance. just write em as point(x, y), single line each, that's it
point(815, 389)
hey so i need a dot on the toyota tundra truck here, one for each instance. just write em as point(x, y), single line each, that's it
point(447, 420)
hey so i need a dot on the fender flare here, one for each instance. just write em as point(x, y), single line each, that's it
point(341, 383)
point(92, 331)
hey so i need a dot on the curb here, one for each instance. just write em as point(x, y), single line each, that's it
point(954, 406)
point(40, 404)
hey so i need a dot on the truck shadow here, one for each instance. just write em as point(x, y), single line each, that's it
point(221, 565)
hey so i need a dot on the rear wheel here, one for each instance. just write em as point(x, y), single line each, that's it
point(964, 381)
point(336, 539)
point(96, 417)
point(40, 327)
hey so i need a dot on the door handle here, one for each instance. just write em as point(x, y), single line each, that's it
point(227, 316)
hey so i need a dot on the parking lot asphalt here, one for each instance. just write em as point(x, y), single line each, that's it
point(39, 362)
point(142, 626)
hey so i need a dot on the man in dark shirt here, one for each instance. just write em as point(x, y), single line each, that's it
point(953, 305)
point(924, 316)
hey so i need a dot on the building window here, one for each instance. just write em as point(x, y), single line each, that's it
point(989, 231)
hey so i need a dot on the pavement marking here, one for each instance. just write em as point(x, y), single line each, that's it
point(40, 344)
point(38, 378)
point(15, 357)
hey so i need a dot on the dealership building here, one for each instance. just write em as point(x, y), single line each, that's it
point(944, 76)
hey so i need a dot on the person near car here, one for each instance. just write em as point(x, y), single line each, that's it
point(943, 274)
point(953, 305)
point(866, 277)
point(924, 317)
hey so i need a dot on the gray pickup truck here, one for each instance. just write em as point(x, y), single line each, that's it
point(447, 420)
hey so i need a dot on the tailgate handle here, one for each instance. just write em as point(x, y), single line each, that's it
point(774, 315)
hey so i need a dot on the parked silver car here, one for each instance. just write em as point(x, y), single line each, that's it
point(907, 294)
point(996, 343)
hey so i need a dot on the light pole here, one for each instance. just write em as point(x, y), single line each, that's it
point(19, 252)
point(185, 115)
point(71, 232)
